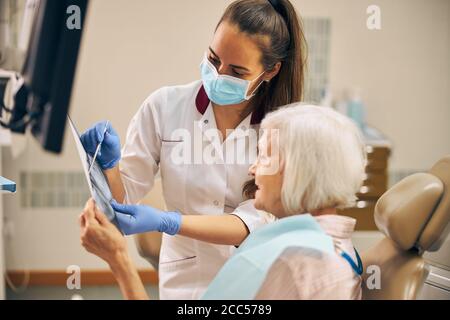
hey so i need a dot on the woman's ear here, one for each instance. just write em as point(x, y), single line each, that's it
point(272, 73)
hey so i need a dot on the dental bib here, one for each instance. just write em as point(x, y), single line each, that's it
point(244, 273)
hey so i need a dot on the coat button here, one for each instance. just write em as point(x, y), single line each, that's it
point(216, 203)
point(206, 121)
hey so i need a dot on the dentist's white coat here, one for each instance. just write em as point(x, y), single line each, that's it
point(187, 266)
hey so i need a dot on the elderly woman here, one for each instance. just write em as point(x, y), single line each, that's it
point(311, 162)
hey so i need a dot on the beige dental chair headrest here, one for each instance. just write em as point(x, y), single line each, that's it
point(416, 211)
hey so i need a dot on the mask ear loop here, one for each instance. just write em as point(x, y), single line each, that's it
point(248, 97)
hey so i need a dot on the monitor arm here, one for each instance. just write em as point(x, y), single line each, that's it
point(13, 103)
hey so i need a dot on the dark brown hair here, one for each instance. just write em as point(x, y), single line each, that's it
point(278, 32)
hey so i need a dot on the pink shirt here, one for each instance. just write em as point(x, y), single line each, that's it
point(305, 274)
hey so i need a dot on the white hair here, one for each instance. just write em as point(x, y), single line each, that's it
point(323, 157)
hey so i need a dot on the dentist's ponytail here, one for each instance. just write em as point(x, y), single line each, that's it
point(278, 32)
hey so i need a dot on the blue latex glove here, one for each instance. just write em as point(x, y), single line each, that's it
point(141, 218)
point(109, 154)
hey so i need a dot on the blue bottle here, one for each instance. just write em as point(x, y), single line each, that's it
point(356, 109)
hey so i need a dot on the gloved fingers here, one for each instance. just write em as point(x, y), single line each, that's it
point(109, 139)
point(123, 208)
point(86, 140)
point(100, 129)
point(126, 222)
point(92, 140)
point(111, 130)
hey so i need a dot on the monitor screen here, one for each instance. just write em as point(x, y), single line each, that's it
point(43, 101)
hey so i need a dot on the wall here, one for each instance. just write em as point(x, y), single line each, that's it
point(134, 47)
point(402, 70)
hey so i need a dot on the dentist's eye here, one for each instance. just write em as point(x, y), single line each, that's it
point(214, 60)
point(239, 74)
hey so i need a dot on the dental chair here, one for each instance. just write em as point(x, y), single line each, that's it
point(414, 216)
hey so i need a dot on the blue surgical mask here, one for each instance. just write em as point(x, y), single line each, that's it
point(224, 89)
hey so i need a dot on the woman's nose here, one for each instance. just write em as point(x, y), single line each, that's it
point(222, 69)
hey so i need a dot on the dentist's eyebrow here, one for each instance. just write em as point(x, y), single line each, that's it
point(215, 54)
point(231, 65)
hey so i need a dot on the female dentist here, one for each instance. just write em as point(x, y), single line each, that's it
point(254, 65)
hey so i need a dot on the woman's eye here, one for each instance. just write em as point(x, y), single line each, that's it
point(214, 60)
point(237, 73)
